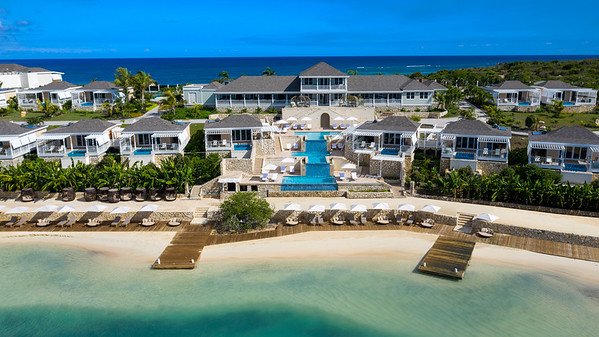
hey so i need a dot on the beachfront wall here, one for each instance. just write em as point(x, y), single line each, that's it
point(325, 117)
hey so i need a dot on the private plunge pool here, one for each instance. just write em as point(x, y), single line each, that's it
point(143, 152)
point(318, 171)
point(77, 153)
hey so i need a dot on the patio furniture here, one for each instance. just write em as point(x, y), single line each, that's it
point(274, 177)
point(283, 168)
point(170, 194)
point(291, 169)
point(126, 221)
point(337, 220)
point(288, 146)
point(334, 126)
point(309, 126)
point(295, 146)
point(90, 194)
point(224, 142)
point(147, 222)
point(174, 222)
point(333, 146)
point(13, 220)
point(363, 219)
point(103, 193)
point(113, 195)
point(140, 194)
point(363, 144)
point(410, 220)
point(340, 146)
point(20, 222)
point(93, 223)
point(215, 143)
point(264, 176)
point(372, 145)
point(485, 232)
point(68, 222)
point(116, 221)
point(68, 194)
point(153, 194)
point(427, 223)
point(126, 194)
point(354, 176)
point(291, 221)
point(342, 176)
point(383, 220)
point(45, 222)
point(27, 195)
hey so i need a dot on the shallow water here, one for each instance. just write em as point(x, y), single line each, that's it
point(48, 290)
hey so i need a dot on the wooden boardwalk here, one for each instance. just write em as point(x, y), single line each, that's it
point(184, 250)
point(447, 257)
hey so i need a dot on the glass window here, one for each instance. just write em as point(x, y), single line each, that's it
point(410, 95)
point(80, 141)
point(424, 95)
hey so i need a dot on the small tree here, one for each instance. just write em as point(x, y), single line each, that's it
point(243, 211)
point(557, 108)
point(268, 72)
point(223, 77)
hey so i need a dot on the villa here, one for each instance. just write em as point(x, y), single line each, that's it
point(202, 94)
point(57, 92)
point(16, 141)
point(325, 86)
point(572, 96)
point(94, 94)
point(474, 144)
point(571, 150)
point(383, 148)
point(16, 76)
point(234, 135)
point(85, 141)
point(149, 140)
point(5, 95)
point(511, 95)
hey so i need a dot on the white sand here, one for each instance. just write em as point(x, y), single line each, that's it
point(373, 246)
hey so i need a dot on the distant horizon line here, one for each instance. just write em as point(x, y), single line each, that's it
point(306, 56)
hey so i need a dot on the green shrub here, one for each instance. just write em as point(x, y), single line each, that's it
point(243, 211)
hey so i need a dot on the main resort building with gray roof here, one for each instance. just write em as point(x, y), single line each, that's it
point(324, 85)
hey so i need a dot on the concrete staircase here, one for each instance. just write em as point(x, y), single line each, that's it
point(464, 223)
point(200, 216)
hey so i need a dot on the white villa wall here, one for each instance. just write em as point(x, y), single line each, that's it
point(203, 97)
point(10, 80)
point(363, 114)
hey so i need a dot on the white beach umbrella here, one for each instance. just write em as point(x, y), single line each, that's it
point(381, 205)
point(352, 119)
point(149, 208)
point(487, 217)
point(306, 119)
point(359, 208)
point(120, 210)
point(270, 167)
point(47, 208)
point(339, 118)
point(292, 207)
point(17, 210)
point(66, 209)
point(96, 208)
point(316, 208)
point(349, 166)
point(282, 122)
point(288, 161)
point(339, 206)
point(292, 119)
point(406, 207)
point(431, 209)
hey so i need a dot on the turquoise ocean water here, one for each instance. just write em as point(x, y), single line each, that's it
point(48, 290)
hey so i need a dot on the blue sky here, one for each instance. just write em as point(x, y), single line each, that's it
point(177, 28)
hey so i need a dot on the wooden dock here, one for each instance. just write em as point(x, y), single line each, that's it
point(184, 250)
point(448, 257)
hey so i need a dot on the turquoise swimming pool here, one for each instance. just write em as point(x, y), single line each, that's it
point(77, 153)
point(318, 171)
point(142, 152)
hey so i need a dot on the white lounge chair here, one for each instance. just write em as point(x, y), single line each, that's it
point(309, 126)
point(372, 145)
point(343, 126)
point(264, 176)
point(334, 126)
point(288, 146)
point(174, 222)
point(363, 219)
point(485, 151)
point(224, 142)
point(93, 223)
point(340, 146)
point(274, 177)
point(214, 143)
point(283, 169)
point(354, 176)
point(291, 169)
point(363, 144)
point(294, 127)
point(295, 146)
point(342, 176)
point(333, 146)
point(147, 222)
point(115, 222)
point(43, 222)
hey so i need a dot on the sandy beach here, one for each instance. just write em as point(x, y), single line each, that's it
point(377, 246)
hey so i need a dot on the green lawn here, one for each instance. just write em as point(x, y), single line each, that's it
point(66, 116)
point(583, 119)
point(192, 113)
point(193, 128)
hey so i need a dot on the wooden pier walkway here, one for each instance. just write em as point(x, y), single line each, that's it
point(447, 257)
point(184, 250)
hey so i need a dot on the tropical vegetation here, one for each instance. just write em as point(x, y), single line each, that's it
point(243, 211)
point(179, 172)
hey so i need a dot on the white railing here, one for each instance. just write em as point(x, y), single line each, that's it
point(493, 155)
point(96, 150)
point(166, 147)
point(218, 145)
point(52, 151)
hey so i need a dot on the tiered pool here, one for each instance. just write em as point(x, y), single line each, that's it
point(318, 175)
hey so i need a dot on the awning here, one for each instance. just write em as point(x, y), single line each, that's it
point(63, 95)
point(269, 128)
point(448, 137)
point(368, 133)
point(547, 146)
point(101, 139)
point(229, 179)
point(183, 137)
point(166, 134)
point(51, 136)
point(594, 149)
point(487, 139)
point(16, 143)
point(407, 135)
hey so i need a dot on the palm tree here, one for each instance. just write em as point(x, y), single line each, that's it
point(223, 77)
point(268, 72)
point(124, 79)
point(142, 81)
point(169, 103)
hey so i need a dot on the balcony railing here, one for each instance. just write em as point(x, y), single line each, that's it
point(550, 162)
point(218, 145)
point(52, 150)
point(96, 150)
point(494, 155)
point(166, 147)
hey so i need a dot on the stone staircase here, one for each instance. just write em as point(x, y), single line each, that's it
point(464, 223)
point(200, 216)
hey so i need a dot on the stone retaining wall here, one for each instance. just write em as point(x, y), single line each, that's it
point(238, 165)
point(488, 167)
point(368, 195)
point(312, 194)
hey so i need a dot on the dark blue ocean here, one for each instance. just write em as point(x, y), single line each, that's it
point(202, 70)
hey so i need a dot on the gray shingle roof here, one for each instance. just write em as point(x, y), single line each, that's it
point(567, 135)
point(554, 84)
point(84, 126)
point(234, 122)
point(12, 129)
point(322, 69)
point(17, 68)
point(214, 85)
point(474, 128)
point(262, 84)
point(100, 85)
point(392, 123)
point(415, 85)
point(434, 85)
point(512, 85)
point(154, 124)
point(56, 85)
point(376, 83)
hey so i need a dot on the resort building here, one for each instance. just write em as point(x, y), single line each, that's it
point(94, 94)
point(323, 85)
point(16, 141)
point(572, 96)
point(201, 94)
point(16, 76)
point(571, 150)
point(149, 140)
point(383, 148)
point(474, 144)
point(85, 141)
point(511, 95)
point(5, 95)
point(57, 93)
point(234, 135)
